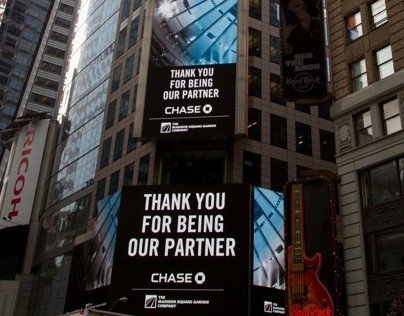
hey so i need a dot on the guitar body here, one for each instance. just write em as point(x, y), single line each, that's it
point(307, 295)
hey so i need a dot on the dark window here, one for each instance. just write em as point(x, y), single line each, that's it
point(129, 68)
point(254, 124)
point(134, 26)
point(278, 131)
point(110, 114)
point(66, 8)
point(190, 167)
point(47, 66)
point(254, 42)
point(46, 83)
point(137, 4)
point(125, 9)
point(128, 174)
point(382, 183)
point(274, 13)
point(62, 22)
point(279, 174)
point(106, 148)
point(42, 99)
point(252, 168)
point(99, 194)
point(274, 49)
point(303, 107)
point(113, 183)
point(255, 9)
point(116, 77)
point(143, 170)
point(254, 82)
point(303, 139)
point(62, 38)
point(55, 52)
point(275, 89)
point(327, 146)
point(131, 139)
point(324, 111)
point(121, 42)
point(123, 106)
point(119, 144)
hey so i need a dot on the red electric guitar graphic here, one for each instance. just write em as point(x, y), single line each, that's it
point(306, 294)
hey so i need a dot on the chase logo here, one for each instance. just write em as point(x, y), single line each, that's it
point(267, 307)
point(150, 301)
point(165, 128)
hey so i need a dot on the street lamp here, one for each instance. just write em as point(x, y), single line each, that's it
point(123, 299)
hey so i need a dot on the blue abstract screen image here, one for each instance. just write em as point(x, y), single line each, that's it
point(194, 32)
point(268, 252)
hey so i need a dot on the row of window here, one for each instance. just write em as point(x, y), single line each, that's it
point(128, 174)
point(133, 33)
point(278, 135)
point(118, 146)
point(388, 112)
point(123, 107)
point(377, 12)
point(383, 61)
point(255, 45)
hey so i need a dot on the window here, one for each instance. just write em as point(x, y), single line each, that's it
point(327, 146)
point(255, 9)
point(124, 104)
point(254, 124)
point(62, 22)
point(378, 11)
point(62, 38)
point(303, 139)
point(66, 8)
point(254, 82)
point(99, 194)
point(131, 139)
point(383, 250)
point(279, 174)
point(252, 168)
point(274, 13)
point(42, 99)
point(303, 108)
point(278, 131)
point(324, 111)
point(129, 68)
point(128, 174)
point(106, 148)
point(113, 183)
point(143, 170)
point(119, 144)
point(382, 183)
point(137, 4)
point(354, 26)
point(384, 61)
point(358, 75)
point(274, 49)
point(275, 89)
point(116, 77)
point(134, 98)
point(254, 42)
point(391, 116)
point(134, 25)
point(363, 128)
point(125, 9)
point(46, 83)
point(111, 114)
point(121, 42)
point(55, 52)
point(47, 66)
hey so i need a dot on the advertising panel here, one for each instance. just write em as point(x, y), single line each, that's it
point(191, 81)
point(184, 250)
point(304, 71)
point(20, 184)
point(268, 290)
point(315, 282)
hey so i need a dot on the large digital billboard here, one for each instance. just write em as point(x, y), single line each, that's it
point(191, 81)
point(184, 250)
point(303, 46)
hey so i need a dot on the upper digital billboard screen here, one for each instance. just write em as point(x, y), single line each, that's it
point(303, 45)
point(184, 250)
point(191, 79)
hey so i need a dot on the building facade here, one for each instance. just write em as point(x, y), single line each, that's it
point(367, 70)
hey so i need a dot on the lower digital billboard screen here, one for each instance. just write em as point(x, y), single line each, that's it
point(184, 250)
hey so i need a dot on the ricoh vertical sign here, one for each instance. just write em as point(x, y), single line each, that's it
point(191, 82)
point(20, 185)
point(184, 250)
point(303, 46)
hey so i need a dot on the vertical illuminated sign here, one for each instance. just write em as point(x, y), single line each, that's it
point(304, 72)
point(191, 79)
